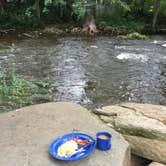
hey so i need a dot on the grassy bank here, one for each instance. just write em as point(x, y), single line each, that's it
point(16, 92)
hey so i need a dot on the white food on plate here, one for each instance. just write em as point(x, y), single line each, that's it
point(67, 149)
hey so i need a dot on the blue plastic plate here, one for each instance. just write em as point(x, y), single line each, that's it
point(84, 152)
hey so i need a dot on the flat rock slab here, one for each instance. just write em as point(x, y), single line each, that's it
point(144, 120)
point(27, 133)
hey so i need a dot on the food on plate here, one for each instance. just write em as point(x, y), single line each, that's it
point(80, 141)
point(70, 147)
point(67, 149)
point(103, 136)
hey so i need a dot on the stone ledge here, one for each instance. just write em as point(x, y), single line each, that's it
point(143, 126)
point(27, 133)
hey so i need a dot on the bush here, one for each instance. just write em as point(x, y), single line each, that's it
point(20, 92)
point(123, 26)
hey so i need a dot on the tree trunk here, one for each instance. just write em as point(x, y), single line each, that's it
point(89, 26)
point(2, 4)
point(142, 3)
point(39, 5)
point(156, 12)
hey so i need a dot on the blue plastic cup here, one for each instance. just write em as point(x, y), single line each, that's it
point(104, 140)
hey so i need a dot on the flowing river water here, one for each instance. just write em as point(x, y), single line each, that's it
point(93, 72)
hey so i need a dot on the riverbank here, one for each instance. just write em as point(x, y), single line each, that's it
point(70, 30)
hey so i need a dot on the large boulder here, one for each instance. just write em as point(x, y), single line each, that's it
point(148, 148)
point(27, 133)
point(143, 125)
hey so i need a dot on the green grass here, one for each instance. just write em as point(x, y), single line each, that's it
point(18, 92)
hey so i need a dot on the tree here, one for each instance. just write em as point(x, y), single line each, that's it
point(156, 12)
point(89, 25)
point(2, 4)
point(39, 5)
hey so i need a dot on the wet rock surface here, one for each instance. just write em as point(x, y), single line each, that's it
point(27, 133)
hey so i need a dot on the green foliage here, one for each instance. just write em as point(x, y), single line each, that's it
point(117, 20)
point(134, 35)
point(118, 14)
point(54, 2)
point(79, 8)
point(121, 26)
point(21, 92)
point(24, 17)
point(163, 8)
point(122, 4)
point(6, 108)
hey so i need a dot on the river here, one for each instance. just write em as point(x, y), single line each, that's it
point(93, 72)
